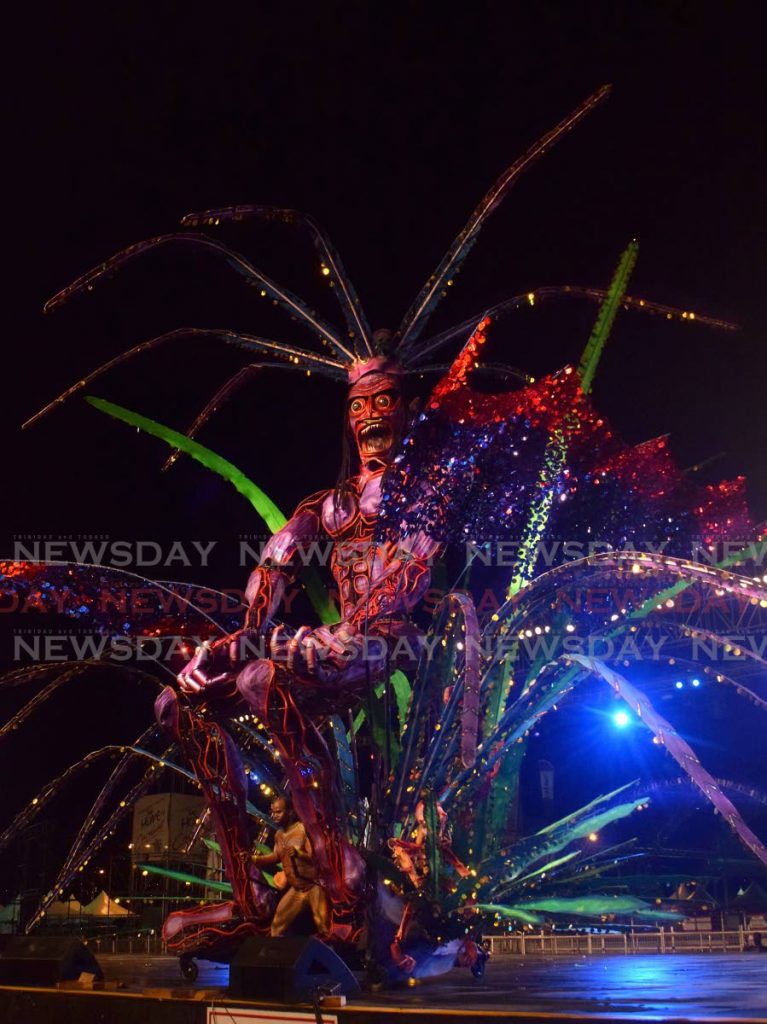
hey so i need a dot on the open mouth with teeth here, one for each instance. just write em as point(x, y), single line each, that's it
point(374, 437)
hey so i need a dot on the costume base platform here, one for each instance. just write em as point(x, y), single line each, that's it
point(527, 990)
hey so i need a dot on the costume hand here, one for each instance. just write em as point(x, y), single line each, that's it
point(196, 675)
point(305, 652)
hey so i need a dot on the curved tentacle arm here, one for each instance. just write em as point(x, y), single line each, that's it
point(106, 830)
point(544, 294)
point(116, 775)
point(648, 306)
point(743, 650)
point(419, 312)
point(51, 788)
point(80, 855)
point(229, 388)
point(20, 676)
point(218, 399)
point(253, 758)
point(720, 676)
point(679, 749)
point(496, 370)
point(296, 358)
point(290, 302)
point(417, 715)
point(519, 719)
point(685, 573)
point(332, 266)
point(75, 670)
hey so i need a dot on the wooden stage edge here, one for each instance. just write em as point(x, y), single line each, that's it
point(205, 1006)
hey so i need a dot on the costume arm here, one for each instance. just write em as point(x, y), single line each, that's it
point(281, 562)
point(279, 566)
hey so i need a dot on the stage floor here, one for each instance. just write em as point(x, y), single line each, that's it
point(672, 987)
point(666, 986)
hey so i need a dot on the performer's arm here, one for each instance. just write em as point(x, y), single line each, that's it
point(303, 852)
point(265, 860)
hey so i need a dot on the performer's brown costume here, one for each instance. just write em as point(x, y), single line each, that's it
point(293, 850)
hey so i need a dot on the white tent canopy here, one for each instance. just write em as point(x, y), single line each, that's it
point(65, 908)
point(104, 906)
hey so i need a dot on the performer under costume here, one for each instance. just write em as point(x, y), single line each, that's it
point(293, 851)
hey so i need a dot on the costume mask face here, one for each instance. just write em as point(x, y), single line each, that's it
point(376, 416)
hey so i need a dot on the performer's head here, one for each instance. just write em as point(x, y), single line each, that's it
point(375, 409)
point(282, 811)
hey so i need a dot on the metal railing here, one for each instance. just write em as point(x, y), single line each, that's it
point(148, 945)
point(553, 944)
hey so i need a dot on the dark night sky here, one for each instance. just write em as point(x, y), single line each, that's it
point(387, 123)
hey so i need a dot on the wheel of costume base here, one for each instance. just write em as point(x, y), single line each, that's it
point(189, 968)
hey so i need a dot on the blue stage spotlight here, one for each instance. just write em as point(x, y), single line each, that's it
point(679, 684)
point(621, 719)
point(696, 682)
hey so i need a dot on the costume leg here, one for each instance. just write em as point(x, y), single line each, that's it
point(405, 962)
point(318, 904)
point(310, 770)
point(288, 909)
point(217, 766)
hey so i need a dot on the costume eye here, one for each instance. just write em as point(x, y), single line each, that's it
point(356, 406)
point(384, 401)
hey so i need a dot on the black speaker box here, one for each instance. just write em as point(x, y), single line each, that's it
point(288, 970)
point(44, 960)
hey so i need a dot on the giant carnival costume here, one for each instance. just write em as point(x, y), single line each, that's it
point(412, 850)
